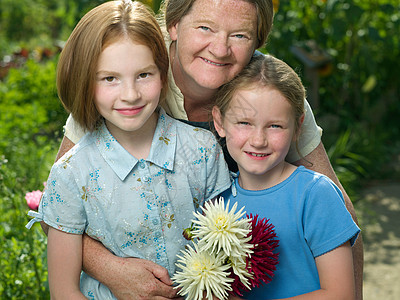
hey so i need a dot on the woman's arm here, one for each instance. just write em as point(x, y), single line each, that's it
point(64, 258)
point(320, 163)
point(127, 278)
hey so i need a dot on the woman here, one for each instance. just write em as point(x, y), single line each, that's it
point(211, 42)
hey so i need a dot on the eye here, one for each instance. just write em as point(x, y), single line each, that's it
point(244, 123)
point(109, 79)
point(144, 75)
point(205, 28)
point(239, 36)
point(276, 126)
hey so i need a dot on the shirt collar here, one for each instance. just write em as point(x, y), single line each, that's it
point(162, 151)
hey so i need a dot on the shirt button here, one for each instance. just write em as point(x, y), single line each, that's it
point(155, 221)
point(146, 179)
point(157, 234)
point(142, 165)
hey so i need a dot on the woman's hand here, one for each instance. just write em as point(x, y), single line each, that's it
point(142, 279)
point(127, 278)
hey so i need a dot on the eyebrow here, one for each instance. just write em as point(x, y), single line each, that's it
point(147, 68)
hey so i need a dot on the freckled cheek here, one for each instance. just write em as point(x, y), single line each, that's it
point(243, 55)
point(152, 92)
point(280, 141)
point(103, 96)
point(237, 138)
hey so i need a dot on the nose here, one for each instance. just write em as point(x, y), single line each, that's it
point(259, 138)
point(129, 92)
point(220, 46)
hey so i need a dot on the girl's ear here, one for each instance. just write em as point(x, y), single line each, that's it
point(301, 120)
point(217, 118)
point(297, 134)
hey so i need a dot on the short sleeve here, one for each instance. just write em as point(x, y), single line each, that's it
point(73, 131)
point(61, 206)
point(327, 223)
point(310, 136)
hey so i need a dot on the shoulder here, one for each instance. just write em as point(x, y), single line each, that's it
point(198, 134)
point(78, 152)
point(317, 185)
point(313, 176)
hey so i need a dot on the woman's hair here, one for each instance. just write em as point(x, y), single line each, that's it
point(174, 10)
point(99, 28)
point(267, 71)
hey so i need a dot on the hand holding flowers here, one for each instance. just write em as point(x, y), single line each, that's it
point(230, 254)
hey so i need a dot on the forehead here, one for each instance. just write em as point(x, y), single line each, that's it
point(225, 13)
point(124, 53)
point(258, 100)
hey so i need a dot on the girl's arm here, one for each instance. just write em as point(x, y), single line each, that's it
point(64, 259)
point(336, 276)
point(321, 164)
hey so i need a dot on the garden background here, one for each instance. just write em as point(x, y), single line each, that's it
point(347, 53)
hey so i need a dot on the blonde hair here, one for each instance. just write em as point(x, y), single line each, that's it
point(268, 71)
point(100, 27)
point(175, 10)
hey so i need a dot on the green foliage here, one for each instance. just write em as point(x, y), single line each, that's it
point(31, 118)
point(53, 20)
point(22, 256)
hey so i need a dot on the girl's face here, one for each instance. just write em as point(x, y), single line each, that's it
point(128, 88)
point(214, 42)
point(259, 127)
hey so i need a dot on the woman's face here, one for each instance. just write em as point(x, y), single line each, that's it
point(214, 42)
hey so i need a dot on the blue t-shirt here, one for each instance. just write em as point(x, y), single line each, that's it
point(310, 219)
point(136, 208)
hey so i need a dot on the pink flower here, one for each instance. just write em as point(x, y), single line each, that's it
point(33, 199)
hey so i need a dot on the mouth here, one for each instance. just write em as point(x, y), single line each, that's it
point(213, 63)
point(256, 155)
point(129, 111)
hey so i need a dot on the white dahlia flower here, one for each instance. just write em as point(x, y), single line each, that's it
point(218, 228)
point(202, 272)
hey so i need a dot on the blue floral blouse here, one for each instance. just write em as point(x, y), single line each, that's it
point(136, 208)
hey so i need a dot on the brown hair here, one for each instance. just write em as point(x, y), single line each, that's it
point(174, 10)
point(100, 27)
point(268, 71)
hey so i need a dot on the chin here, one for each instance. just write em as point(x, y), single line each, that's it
point(212, 84)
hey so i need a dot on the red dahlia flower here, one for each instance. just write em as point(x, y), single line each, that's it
point(262, 262)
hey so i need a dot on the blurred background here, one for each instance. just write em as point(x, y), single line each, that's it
point(346, 52)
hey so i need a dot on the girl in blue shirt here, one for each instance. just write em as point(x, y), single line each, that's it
point(259, 114)
point(135, 178)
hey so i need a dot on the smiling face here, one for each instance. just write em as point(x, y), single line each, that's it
point(259, 127)
point(213, 43)
point(127, 89)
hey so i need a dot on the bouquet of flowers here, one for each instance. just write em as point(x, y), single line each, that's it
point(229, 254)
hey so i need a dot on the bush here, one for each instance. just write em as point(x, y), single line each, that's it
point(31, 118)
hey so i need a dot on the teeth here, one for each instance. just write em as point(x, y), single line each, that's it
point(257, 155)
point(213, 63)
